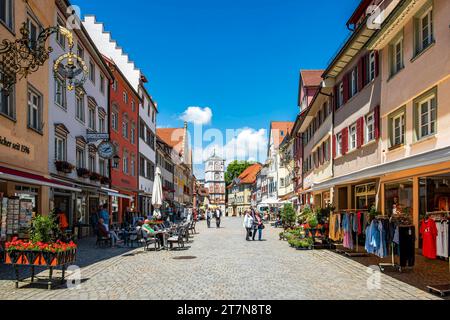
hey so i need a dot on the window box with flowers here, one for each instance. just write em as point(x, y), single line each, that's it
point(83, 173)
point(105, 180)
point(64, 166)
point(95, 176)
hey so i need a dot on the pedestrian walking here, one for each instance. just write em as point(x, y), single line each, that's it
point(208, 217)
point(258, 226)
point(218, 217)
point(248, 224)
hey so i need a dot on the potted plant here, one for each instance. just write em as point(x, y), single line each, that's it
point(64, 166)
point(83, 172)
point(288, 215)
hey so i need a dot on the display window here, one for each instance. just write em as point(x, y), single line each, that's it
point(365, 196)
point(398, 198)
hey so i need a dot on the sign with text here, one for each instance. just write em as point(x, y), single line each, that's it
point(14, 145)
point(95, 136)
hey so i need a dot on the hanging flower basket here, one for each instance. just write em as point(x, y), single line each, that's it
point(40, 254)
point(64, 166)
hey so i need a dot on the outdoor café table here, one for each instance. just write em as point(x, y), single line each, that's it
point(164, 235)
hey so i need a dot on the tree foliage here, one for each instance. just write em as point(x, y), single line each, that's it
point(234, 169)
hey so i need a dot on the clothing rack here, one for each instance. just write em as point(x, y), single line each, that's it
point(355, 253)
point(392, 264)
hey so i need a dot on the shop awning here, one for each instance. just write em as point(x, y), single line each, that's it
point(30, 178)
point(420, 160)
point(115, 193)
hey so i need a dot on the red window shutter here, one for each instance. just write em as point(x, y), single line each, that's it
point(377, 64)
point(366, 68)
point(344, 141)
point(360, 132)
point(323, 153)
point(334, 146)
point(361, 74)
point(346, 87)
point(377, 122)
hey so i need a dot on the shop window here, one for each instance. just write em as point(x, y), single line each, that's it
point(35, 110)
point(399, 198)
point(365, 196)
point(426, 115)
point(434, 194)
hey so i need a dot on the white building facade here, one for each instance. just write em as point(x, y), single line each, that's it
point(215, 181)
point(71, 115)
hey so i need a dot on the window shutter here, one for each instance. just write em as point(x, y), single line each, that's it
point(346, 87)
point(323, 153)
point(361, 74)
point(344, 141)
point(377, 122)
point(334, 146)
point(377, 64)
point(360, 132)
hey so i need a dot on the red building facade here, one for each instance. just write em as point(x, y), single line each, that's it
point(124, 121)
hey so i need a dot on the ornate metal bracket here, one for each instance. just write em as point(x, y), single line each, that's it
point(24, 56)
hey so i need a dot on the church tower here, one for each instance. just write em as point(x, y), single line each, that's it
point(215, 181)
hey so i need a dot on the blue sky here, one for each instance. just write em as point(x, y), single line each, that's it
point(239, 58)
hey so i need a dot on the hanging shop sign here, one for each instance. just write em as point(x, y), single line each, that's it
point(14, 145)
point(95, 136)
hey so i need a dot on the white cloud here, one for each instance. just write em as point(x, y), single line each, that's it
point(243, 144)
point(197, 115)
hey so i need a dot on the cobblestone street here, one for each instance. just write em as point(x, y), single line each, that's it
point(225, 267)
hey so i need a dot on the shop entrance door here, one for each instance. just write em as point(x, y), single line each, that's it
point(63, 203)
point(94, 206)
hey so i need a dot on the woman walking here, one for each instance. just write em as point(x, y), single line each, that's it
point(258, 226)
point(248, 224)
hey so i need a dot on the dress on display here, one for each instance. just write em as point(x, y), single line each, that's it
point(429, 233)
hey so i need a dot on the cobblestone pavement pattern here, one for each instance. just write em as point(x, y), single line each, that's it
point(225, 267)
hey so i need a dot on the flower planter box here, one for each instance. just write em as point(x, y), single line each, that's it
point(83, 173)
point(63, 166)
point(38, 258)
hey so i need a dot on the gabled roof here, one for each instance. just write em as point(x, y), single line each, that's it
point(171, 136)
point(249, 174)
point(311, 78)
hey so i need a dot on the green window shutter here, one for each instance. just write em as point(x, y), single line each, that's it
point(416, 25)
point(416, 121)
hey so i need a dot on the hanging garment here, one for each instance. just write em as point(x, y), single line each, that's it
point(372, 237)
point(355, 223)
point(442, 239)
point(382, 248)
point(359, 217)
point(429, 232)
point(347, 229)
point(407, 245)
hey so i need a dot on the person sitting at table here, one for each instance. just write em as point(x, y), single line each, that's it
point(103, 230)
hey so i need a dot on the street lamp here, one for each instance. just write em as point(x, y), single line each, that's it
point(24, 56)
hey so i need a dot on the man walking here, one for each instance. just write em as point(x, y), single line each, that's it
point(208, 217)
point(218, 216)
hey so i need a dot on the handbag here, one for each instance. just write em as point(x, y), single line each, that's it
point(250, 233)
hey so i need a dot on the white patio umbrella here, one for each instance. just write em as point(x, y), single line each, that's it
point(157, 194)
